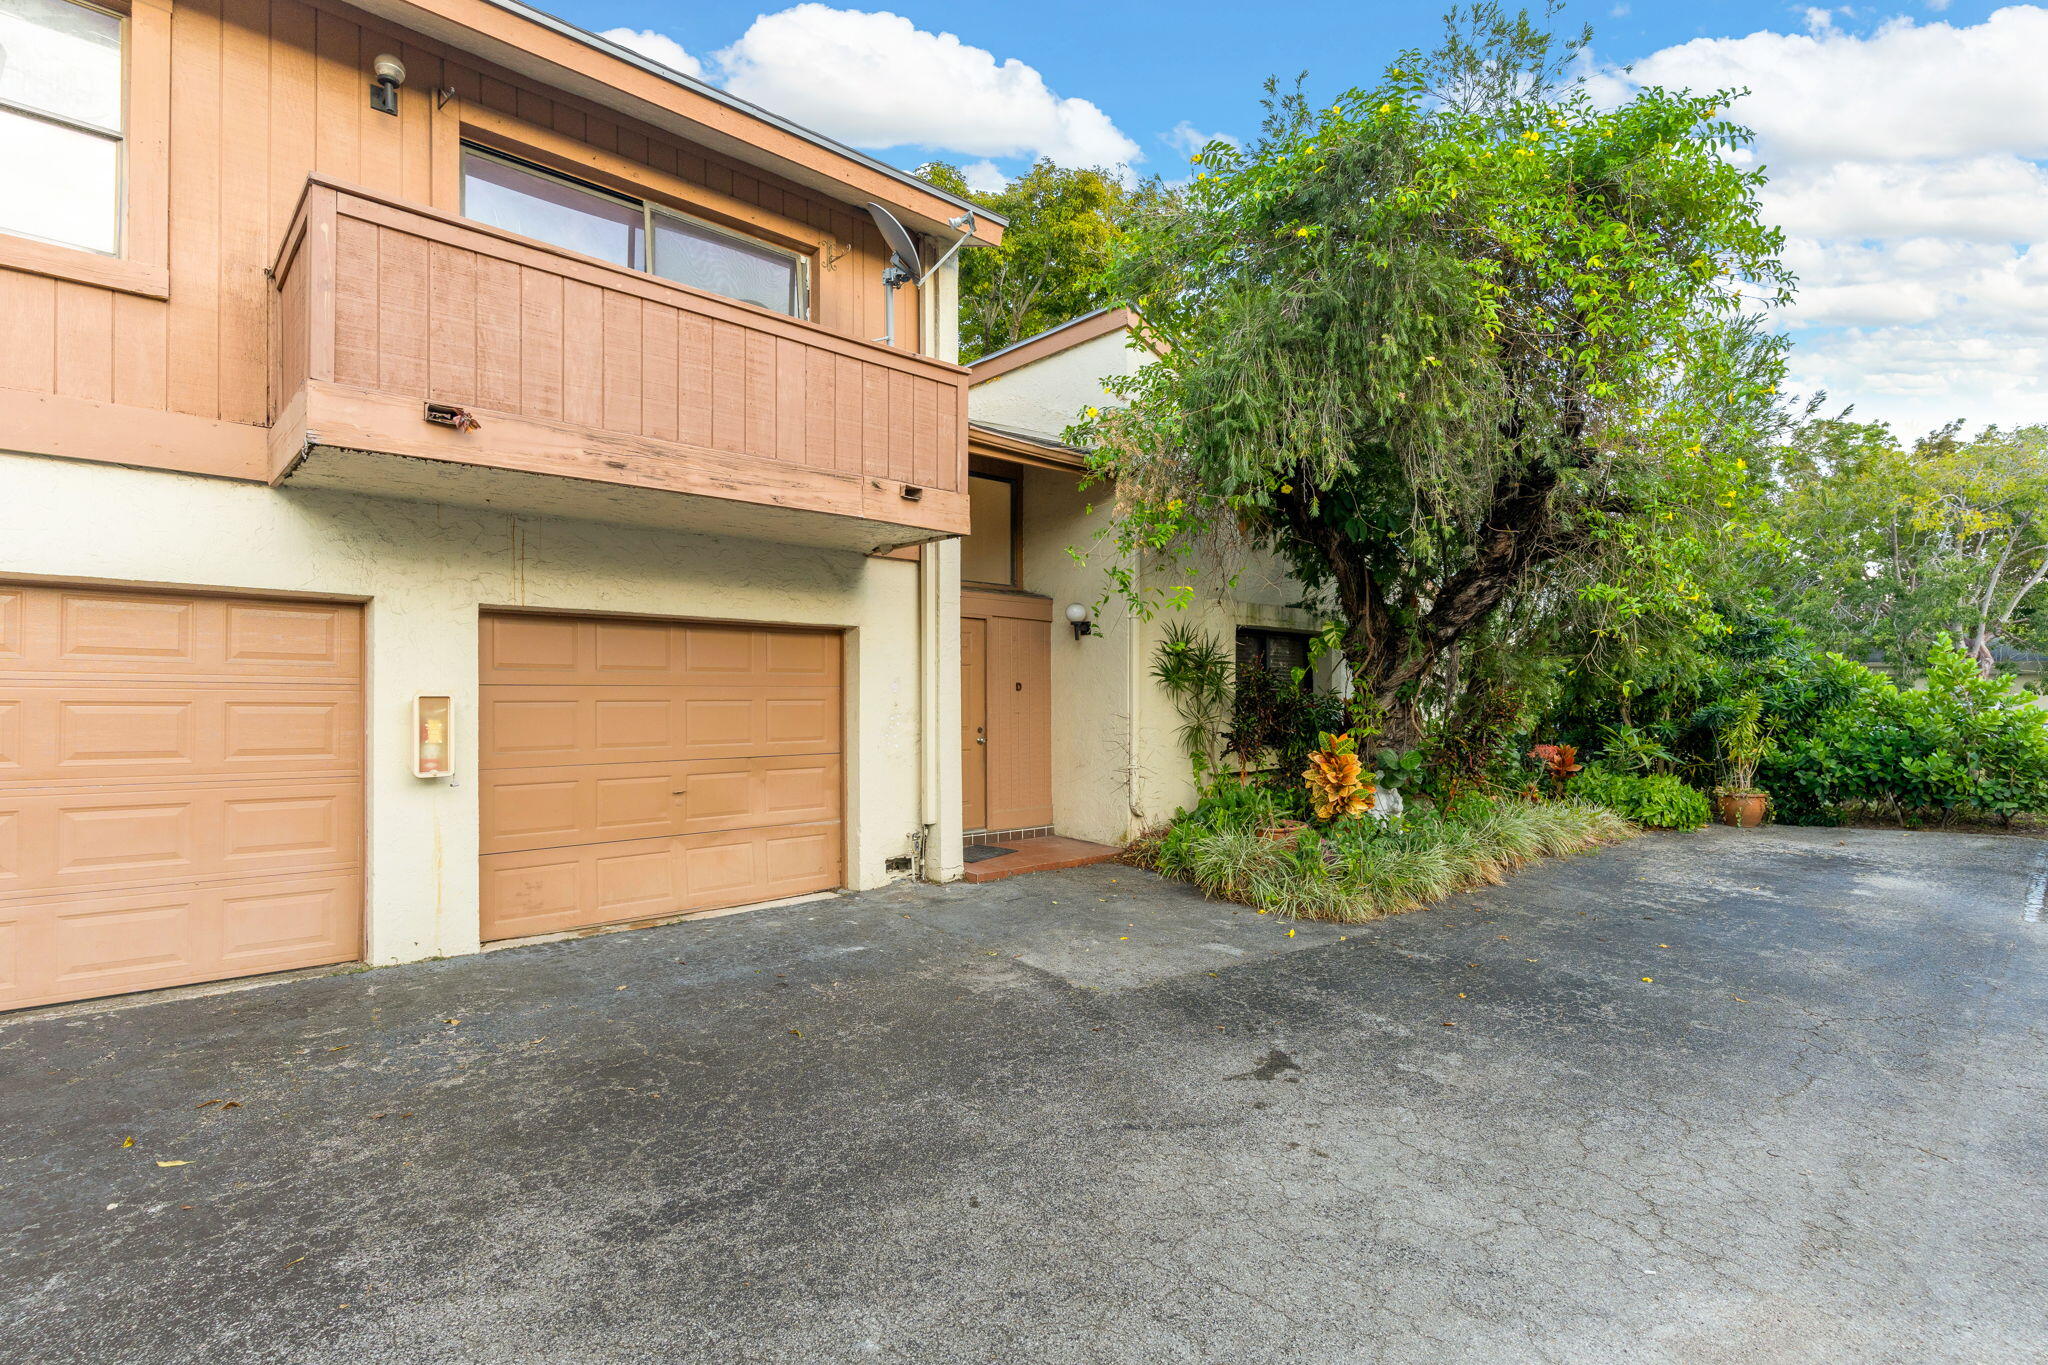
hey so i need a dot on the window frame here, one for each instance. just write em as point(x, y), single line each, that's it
point(1263, 634)
point(140, 263)
point(649, 207)
point(1016, 583)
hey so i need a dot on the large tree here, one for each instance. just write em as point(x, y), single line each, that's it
point(1461, 340)
point(1051, 266)
point(1890, 547)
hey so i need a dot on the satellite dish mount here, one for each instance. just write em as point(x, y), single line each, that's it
point(906, 263)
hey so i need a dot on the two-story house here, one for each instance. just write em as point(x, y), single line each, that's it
point(459, 481)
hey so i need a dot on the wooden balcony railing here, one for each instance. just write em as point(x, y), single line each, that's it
point(577, 368)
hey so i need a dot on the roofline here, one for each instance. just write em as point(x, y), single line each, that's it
point(1051, 341)
point(1016, 448)
point(521, 57)
point(702, 87)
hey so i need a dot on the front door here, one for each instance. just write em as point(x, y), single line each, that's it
point(1005, 710)
point(974, 722)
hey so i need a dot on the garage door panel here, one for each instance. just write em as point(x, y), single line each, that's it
point(52, 733)
point(51, 841)
point(530, 808)
point(91, 632)
point(544, 891)
point(76, 947)
point(566, 651)
point(527, 727)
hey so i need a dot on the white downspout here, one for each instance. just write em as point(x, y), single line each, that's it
point(938, 631)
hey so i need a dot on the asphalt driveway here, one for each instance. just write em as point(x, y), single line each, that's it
point(1774, 1096)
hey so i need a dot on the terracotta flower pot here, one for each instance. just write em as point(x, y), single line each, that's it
point(1744, 810)
point(1283, 831)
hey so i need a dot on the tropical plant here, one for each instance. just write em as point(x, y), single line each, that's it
point(1655, 801)
point(1627, 749)
point(1339, 786)
point(1193, 668)
point(1559, 762)
point(1277, 718)
point(1463, 340)
point(1744, 744)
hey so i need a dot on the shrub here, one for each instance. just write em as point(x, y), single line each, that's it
point(1656, 800)
point(1362, 869)
point(1963, 743)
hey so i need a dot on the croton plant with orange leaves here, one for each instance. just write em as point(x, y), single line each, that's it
point(1337, 784)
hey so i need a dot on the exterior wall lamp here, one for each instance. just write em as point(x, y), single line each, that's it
point(1077, 617)
point(390, 74)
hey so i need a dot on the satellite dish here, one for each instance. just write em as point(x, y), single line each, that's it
point(900, 242)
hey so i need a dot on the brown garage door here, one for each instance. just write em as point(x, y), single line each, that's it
point(632, 769)
point(180, 789)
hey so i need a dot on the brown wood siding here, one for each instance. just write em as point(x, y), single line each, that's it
point(267, 92)
point(382, 299)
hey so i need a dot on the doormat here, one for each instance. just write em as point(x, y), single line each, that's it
point(981, 853)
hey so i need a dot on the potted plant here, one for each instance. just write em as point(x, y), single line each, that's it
point(1743, 746)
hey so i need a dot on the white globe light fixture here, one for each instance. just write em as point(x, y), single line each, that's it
point(1077, 616)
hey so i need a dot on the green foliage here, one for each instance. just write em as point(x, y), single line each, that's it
point(1194, 668)
point(1448, 354)
point(1362, 870)
point(1744, 743)
point(1629, 750)
point(1856, 743)
point(1889, 548)
point(1052, 265)
point(1275, 718)
point(1655, 800)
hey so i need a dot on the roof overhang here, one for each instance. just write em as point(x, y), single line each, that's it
point(553, 52)
point(1051, 341)
point(1015, 447)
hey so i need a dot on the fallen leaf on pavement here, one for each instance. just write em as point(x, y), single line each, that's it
point(128, 1142)
point(174, 1163)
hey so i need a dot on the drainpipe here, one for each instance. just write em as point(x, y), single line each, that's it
point(938, 632)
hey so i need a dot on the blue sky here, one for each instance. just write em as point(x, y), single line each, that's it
point(1908, 143)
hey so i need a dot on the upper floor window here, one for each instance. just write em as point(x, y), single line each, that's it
point(61, 123)
point(628, 232)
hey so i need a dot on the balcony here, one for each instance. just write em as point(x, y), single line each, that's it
point(594, 391)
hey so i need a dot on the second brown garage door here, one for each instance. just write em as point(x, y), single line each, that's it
point(632, 769)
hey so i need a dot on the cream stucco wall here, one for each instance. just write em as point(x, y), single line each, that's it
point(1049, 393)
point(425, 572)
point(1118, 766)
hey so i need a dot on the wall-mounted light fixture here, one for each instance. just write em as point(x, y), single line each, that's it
point(390, 74)
point(1077, 617)
point(433, 739)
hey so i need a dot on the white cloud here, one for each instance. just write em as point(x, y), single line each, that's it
point(657, 46)
point(1187, 139)
point(1900, 92)
point(1906, 166)
point(876, 80)
point(984, 177)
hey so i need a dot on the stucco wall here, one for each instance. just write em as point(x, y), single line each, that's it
point(425, 572)
point(1050, 392)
